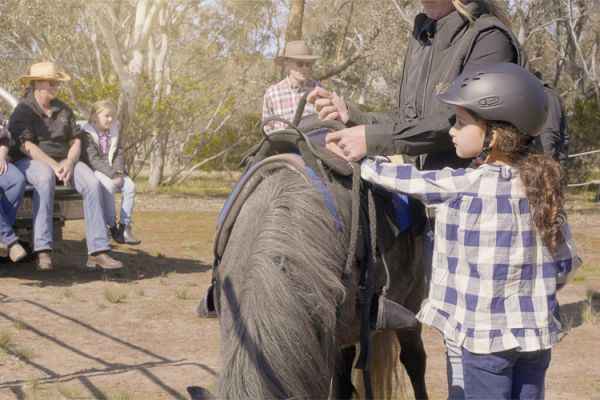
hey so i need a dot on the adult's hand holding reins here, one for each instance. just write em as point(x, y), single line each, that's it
point(351, 143)
point(328, 105)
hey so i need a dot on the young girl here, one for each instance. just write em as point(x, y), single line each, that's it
point(101, 151)
point(502, 243)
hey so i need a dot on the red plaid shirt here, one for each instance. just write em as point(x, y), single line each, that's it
point(282, 99)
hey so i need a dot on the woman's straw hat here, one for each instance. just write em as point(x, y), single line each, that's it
point(296, 49)
point(43, 71)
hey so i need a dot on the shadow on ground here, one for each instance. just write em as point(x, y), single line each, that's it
point(104, 367)
point(573, 315)
point(70, 258)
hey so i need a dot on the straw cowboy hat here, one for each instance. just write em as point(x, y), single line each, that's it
point(43, 71)
point(297, 50)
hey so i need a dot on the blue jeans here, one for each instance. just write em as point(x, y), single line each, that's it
point(505, 375)
point(41, 176)
point(12, 184)
point(108, 192)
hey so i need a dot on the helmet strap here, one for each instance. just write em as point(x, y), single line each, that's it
point(485, 151)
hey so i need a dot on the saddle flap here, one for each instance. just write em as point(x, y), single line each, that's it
point(244, 187)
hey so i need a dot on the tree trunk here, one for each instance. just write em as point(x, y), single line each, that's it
point(295, 16)
point(160, 136)
point(146, 17)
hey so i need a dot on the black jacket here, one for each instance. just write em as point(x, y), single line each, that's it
point(554, 140)
point(437, 53)
point(51, 134)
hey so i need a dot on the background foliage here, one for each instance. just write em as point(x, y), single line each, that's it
point(196, 70)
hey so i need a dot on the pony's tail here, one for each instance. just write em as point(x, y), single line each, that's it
point(386, 379)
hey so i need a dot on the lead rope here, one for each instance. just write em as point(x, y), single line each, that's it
point(365, 296)
point(365, 291)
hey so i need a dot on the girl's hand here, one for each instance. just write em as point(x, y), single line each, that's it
point(117, 180)
point(3, 166)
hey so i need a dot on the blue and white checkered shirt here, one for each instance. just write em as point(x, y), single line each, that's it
point(494, 283)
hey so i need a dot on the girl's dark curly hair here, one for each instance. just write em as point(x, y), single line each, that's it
point(542, 177)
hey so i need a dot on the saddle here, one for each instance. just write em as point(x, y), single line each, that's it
point(328, 172)
point(302, 151)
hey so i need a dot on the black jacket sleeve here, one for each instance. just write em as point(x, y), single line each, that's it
point(91, 156)
point(550, 137)
point(21, 125)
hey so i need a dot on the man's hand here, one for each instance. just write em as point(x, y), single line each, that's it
point(352, 142)
point(59, 171)
point(67, 170)
point(328, 105)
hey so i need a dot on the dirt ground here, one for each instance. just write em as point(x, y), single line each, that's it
point(79, 334)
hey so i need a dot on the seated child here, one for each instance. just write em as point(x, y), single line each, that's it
point(101, 151)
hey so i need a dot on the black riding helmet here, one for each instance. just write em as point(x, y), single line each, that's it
point(501, 92)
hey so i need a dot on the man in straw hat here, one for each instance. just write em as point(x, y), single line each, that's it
point(46, 149)
point(282, 99)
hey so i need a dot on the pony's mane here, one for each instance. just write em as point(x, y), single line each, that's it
point(281, 269)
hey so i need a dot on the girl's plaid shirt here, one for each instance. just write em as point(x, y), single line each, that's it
point(494, 283)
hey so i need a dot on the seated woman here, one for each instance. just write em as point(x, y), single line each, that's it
point(47, 148)
point(101, 151)
point(12, 184)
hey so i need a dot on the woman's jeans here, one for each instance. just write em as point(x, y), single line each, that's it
point(505, 375)
point(108, 193)
point(12, 184)
point(41, 176)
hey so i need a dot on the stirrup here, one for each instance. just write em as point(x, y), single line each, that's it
point(206, 308)
point(389, 315)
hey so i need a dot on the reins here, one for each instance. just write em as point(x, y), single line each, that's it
point(365, 289)
point(292, 127)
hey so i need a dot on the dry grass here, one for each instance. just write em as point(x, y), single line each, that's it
point(20, 326)
point(34, 388)
point(182, 294)
point(23, 353)
point(116, 395)
point(114, 295)
point(69, 392)
point(590, 310)
point(5, 340)
point(204, 184)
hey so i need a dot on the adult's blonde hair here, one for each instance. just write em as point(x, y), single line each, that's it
point(497, 8)
point(98, 106)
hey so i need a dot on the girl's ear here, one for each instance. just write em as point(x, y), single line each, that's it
point(494, 138)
